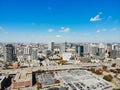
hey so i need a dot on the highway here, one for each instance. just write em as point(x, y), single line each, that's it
point(55, 67)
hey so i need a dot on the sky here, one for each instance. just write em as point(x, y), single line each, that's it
point(60, 20)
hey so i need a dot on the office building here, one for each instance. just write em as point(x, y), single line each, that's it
point(63, 47)
point(81, 51)
point(27, 50)
point(101, 53)
point(51, 46)
point(109, 48)
point(34, 54)
point(86, 50)
point(76, 49)
point(93, 50)
point(9, 53)
point(113, 53)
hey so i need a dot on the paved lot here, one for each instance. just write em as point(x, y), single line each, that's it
point(82, 80)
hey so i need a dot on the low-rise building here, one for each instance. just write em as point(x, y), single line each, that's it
point(67, 56)
point(22, 79)
point(118, 61)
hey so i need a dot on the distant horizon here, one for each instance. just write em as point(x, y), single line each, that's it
point(60, 21)
point(57, 42)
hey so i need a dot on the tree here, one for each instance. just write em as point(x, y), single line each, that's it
point(108, 77)
point(105, 68)
point(116, 89)
point(57, 81)
point(113, 65)
point(38, 85)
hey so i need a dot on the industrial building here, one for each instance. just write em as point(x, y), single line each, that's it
point(22, 79)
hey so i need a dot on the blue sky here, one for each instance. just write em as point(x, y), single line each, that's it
point(60, 20)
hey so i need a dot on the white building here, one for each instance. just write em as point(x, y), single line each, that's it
point(118, 61)
point(66, 56)
point(101, 45)
point(51, 46)
point(27, 50)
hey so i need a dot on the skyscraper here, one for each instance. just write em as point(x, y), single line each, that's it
point(81, 51)
point(63, 47)
point(51, 46)
point(27, 50)
point(9, 53)
point(34, 53)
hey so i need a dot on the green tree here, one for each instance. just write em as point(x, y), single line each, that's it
point(108, 77)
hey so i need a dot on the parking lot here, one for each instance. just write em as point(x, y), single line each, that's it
point(83, 80)
point(45, 79)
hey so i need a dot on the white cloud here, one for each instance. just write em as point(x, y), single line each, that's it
point(96, 18)
point(98, 31)
point(63, 29)
point(50, 30)
point(58, 36)
point(101, 30)
point(104, 30)
point(114, 29)
point(1, 28)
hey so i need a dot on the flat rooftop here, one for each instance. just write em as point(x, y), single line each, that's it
point(23, 75)
point(45, 79)
point(83, 80)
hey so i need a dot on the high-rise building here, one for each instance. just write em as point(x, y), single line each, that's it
point(9, 53)
point(109, 48)
point(81, 51)
point(86, 50)
point(115, 54)
point(76, 49)
point(27, 50)
point(51, 46)
point(93, 50)
point(63, 47)
point(34, 54)
point(101, 52)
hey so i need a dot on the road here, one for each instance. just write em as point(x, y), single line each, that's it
point(55, 67)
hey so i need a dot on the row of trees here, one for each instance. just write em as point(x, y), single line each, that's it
point(108, 77)
point(62, 62)
point(98, 72)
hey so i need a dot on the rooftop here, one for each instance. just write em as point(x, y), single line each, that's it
point(80, 79)
point(23, 76)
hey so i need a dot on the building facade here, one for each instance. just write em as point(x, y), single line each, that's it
point(9, 53)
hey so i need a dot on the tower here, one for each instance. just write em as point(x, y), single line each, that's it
point(81, 51)
point(51, 46)
point(9, 53)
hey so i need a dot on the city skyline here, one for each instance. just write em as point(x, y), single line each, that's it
point(58, 21)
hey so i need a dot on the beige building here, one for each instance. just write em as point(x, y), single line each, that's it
point(22, 79)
